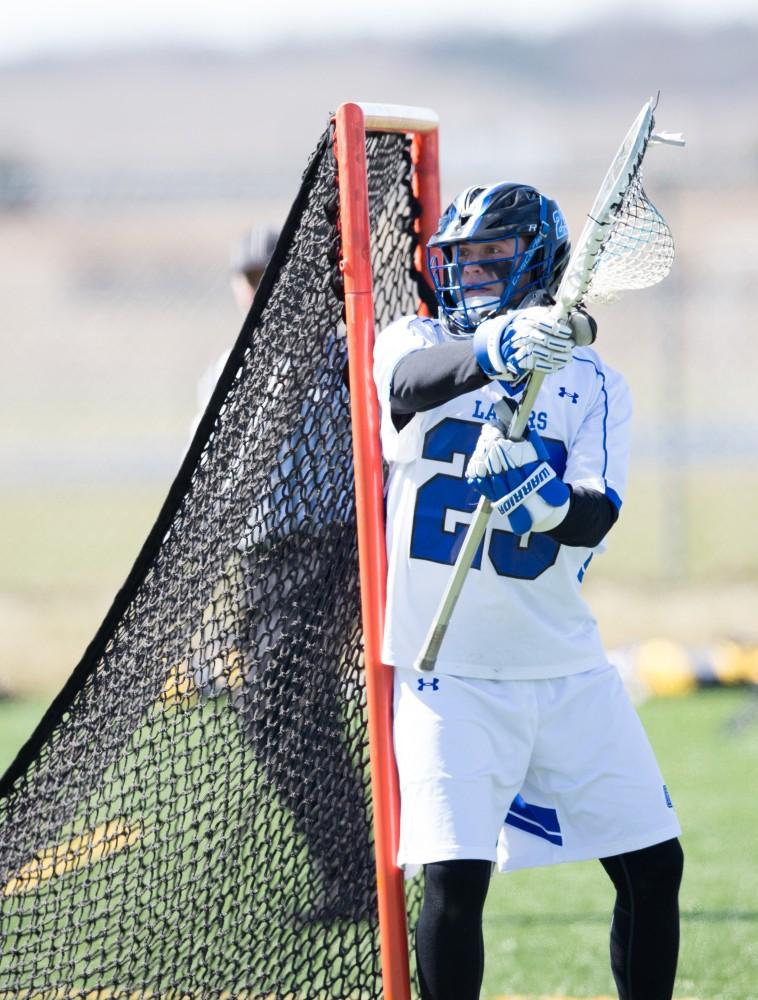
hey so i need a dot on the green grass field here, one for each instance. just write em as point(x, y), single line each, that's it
point(64, 552)
point(547, 929)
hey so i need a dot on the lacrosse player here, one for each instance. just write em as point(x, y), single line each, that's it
point(521, 748)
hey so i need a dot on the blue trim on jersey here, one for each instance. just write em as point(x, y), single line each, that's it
point(613, 497)
point(589, 361)
point(537, 820)
point(584, 568)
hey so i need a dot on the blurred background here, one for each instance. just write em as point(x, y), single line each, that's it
point(136, 148)
point(140, 142)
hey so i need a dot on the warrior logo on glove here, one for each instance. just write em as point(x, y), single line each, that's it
point(517, 477)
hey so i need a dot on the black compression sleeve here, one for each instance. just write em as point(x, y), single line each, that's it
point(590, 517)
point(433, 375)
point(645, 928)
point(449, 943)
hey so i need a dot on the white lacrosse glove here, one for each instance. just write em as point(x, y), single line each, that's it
point(522, 341)
point(519, 481)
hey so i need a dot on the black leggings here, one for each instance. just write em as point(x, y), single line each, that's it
point(449, 944)
point(644, 933)
point(645, 928)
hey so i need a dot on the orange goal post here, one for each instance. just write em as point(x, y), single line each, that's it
point(352, 123)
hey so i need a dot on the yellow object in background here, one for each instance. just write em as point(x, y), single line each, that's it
point(80, 851)
point(665, 668)
point(735, 664)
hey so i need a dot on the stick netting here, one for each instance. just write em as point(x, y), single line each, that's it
point(638, 251)
point(192, 818)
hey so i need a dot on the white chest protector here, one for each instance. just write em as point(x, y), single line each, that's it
point(520, 613)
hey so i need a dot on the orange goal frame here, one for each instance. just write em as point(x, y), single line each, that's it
point(352, 122)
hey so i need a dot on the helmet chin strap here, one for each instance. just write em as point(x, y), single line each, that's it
point(479, 303)
point(533, 297)
point(478, 308)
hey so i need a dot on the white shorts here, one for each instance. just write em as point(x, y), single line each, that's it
point(525, 773)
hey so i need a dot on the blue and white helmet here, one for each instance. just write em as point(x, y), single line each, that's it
point(471, 286)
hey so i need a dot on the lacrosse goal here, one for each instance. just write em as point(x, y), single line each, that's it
point(201, 810)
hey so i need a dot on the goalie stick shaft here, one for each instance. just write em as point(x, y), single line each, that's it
point(471, 543)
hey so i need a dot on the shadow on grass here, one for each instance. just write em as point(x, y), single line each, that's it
point(687, 916)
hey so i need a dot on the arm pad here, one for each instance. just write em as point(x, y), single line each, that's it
point(590, 517)
point(433, 375)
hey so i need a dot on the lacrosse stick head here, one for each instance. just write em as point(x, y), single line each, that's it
point(625, 243)
point(638, 251)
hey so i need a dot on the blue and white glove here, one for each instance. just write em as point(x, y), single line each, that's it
point(517, 477)
point(530, 340)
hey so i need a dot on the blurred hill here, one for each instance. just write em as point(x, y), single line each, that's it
point(194, 124)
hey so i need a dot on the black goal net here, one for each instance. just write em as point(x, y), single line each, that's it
point(192, 817)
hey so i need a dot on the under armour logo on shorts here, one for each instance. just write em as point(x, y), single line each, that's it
point(434, 684)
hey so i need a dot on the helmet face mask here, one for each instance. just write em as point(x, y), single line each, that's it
point(476, 280)
point(493, 247)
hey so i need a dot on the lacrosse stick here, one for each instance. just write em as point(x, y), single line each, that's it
point(625, 244)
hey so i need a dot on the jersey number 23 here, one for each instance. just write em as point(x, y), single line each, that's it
point(437, 534)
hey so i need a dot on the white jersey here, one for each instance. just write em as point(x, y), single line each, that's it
point(521, 613)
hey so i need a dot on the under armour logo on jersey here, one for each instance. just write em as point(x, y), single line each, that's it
point(573, 396)
point(434, 684)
